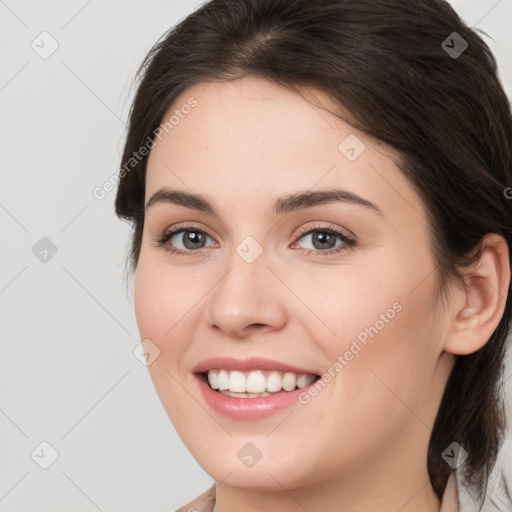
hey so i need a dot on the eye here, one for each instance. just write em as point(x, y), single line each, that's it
point(324, 239)
point(190, 238)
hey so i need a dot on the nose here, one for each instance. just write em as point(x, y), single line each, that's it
point(247, 298)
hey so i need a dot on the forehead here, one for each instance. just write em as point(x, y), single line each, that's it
point(247, 137)
point(252, 117)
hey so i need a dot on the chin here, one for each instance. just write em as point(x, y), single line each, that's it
point(247, 462)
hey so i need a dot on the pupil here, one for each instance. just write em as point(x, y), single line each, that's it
point(194, 238)
point(323, 238)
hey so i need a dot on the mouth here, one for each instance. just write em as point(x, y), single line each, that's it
point(251, 389)
point(258, 383)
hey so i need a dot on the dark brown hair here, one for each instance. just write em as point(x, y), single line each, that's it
point(388, 64)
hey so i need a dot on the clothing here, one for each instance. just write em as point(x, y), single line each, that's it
point(450, 501)
point(203, 503)
point(206, 501)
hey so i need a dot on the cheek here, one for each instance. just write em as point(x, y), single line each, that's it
point(162, 299)
point(148, 300)
point(166, 309)
point(377, 386)
point(382, 297)
point(160, 310)
point(383, 342)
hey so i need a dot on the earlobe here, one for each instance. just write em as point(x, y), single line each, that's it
point(483, 300)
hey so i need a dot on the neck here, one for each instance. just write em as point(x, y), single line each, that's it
point(416, 496)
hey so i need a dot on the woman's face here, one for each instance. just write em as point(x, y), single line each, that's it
point(281, 267)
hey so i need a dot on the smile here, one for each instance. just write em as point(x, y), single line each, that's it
point(256, 383)
point(252, 388)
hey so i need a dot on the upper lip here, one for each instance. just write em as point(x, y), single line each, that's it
point(253, 363)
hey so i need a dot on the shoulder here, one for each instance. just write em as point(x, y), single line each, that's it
point(203, 503)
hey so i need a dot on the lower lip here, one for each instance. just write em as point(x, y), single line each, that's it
point(248, 408)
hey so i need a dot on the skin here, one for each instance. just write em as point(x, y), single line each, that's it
point(361, 443)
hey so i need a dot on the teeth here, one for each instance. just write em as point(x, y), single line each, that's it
point(289, 381)
point(274, 382)
point(304, 380)
point(223, 380)
point(237, 382)
point(257, 382)
point(245, 395)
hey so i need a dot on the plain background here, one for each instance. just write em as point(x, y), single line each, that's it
point(68, 373)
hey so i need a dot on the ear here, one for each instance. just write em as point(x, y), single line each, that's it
point(478, 308)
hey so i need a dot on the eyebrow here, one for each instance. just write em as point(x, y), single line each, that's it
point(297, 201)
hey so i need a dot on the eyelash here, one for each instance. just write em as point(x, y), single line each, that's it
point(348, 242)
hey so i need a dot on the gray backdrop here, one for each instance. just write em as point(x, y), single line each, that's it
point(82, 427)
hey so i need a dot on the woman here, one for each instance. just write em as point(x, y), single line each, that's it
point(320, 195)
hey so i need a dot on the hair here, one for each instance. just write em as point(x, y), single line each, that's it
point(446, 116)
